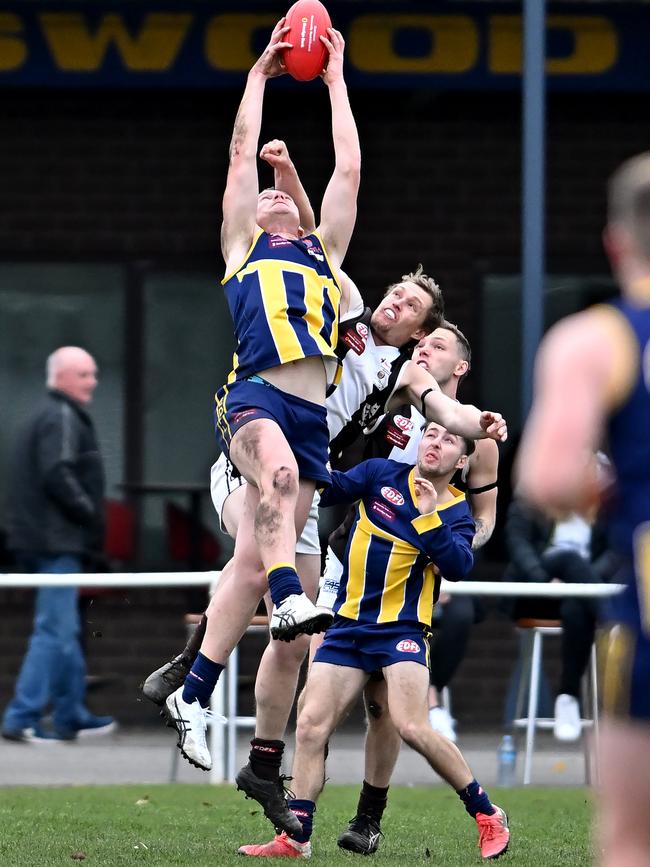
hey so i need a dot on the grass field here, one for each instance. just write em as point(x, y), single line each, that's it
point(203, 825)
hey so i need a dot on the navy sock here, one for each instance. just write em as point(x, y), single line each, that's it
point(476, 800)
point(304, 810)
point(283, 581)
point(201, 680)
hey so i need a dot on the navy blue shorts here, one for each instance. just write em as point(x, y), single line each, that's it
point(304, 424)
point(373, 646)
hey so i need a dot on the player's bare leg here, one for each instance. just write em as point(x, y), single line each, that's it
point(262, 454)
point(408, 684)
point(625, 793)
point(382, 748)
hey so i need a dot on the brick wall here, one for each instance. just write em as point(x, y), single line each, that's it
point(95, 175)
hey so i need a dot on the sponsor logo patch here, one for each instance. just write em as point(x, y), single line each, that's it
point(382, 510)
point(392, 496)
point(407, 645)
point(362, 330)
point(278, 241)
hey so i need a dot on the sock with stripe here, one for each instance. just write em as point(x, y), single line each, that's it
point(265, 758)
point(304, 810)
point(201, 680)
point(476, 800)
point(283, 581)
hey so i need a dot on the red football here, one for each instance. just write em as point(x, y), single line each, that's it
point(308, 20)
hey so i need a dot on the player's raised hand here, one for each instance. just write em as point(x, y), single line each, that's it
point(275, 153)
point(427, 496)
point(270, 63)
point(494, 426)
point(335, 44)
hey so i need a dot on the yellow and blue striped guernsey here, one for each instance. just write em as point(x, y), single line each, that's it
point(284, 300)
point(388, 566)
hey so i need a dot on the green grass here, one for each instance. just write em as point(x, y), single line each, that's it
point(203, 825)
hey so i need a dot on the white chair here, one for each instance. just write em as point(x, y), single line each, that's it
point(226, 722)
point(532, 633)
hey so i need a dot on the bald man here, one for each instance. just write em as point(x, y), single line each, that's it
point(56, 525)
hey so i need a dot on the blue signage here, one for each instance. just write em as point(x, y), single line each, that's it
point(434, 45)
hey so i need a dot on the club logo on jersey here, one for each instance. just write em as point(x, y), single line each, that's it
point(392, 496)
point(403, 423)
point(407, 645)
point(369, 414)
point(317, 253)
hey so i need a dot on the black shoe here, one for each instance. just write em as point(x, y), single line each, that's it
point(362, 835)
point(270, 794)
point(165, 680)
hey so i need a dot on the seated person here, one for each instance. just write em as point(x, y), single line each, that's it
point(573, 551)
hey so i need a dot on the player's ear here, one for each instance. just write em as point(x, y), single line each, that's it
point(462, 367)
point(462, 462)
point(418, 334)
point(301, 231)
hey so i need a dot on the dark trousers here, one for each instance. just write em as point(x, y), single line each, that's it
point(451, 634)
point(578, 616)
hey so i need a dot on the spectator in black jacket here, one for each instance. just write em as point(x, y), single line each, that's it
point(573, 551)
point(56, 525)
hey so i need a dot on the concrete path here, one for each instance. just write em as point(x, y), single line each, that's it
point(145, 757)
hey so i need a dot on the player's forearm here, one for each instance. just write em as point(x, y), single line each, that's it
point(458, 418)
point(347, 150)
point(288, 180)
point(248, 123)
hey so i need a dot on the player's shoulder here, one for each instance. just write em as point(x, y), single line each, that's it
point(601, 342)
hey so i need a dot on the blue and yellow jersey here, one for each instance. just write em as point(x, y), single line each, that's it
point(388, 566)
point(629, 443)
point(284, 300)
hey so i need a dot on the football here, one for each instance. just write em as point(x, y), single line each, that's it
point(308, 20)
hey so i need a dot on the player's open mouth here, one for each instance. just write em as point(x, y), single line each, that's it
point(422, 363)
point(390, 314)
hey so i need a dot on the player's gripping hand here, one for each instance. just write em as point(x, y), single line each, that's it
point(335, 44)
point(426, 494)
point(276, 154)
point(494, 426)
point(270, 62)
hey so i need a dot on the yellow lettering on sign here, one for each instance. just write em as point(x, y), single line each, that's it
point(595, 47)
point(455, 43)
point(13, 51)
point(79, 47)
point(228, 40)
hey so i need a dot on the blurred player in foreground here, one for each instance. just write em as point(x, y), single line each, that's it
point(593, 380)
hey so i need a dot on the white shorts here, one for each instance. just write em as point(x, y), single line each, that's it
point(328, 587)
point(224, 481)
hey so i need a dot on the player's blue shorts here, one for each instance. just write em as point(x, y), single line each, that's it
point(303, 423)
point(373, 646)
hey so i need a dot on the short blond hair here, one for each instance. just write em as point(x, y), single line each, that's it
point(437, 310)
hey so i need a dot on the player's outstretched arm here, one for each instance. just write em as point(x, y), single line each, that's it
point(240, 195)
point(339, 207)
point(419, 388)
point(286, 178)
